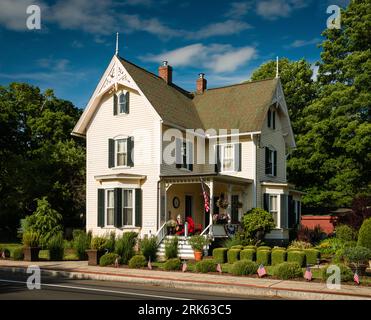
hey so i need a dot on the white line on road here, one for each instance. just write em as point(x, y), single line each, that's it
point(99, 290)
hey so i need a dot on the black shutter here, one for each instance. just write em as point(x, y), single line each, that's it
point(218, 161)
point(127, 104)
point(190, 156)
point(237, 156)
point(274, 119)
point(100, 207)
point(291, 212)
point(178, 153)
point(269, 118)
point(275, 163)
point(118, 207)
point(111, 153)
point(267, 165)
point(138, 207)
point(283, 210)
point(115, 105)
point(266, 201)
point(130, 151)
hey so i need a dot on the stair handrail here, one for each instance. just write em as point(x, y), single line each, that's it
point(161, 233)
point(208, 228)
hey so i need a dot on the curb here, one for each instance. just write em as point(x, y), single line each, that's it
point(201, 286)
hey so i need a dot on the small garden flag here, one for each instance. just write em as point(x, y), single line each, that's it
point(261, 271)
point(3, 254)
point(308, 274)
point(184, 266)
point(149, 264)
point(117, 263)
point(356, 278)
point(219, 268)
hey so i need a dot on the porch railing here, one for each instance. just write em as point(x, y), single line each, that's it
point(161, 233)
point(207, 230)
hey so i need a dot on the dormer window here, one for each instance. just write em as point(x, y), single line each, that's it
point(121, 103)
point(270, 161)
point(271, 118)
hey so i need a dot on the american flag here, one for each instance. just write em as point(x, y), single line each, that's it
point(184, 266)
point(356, 278)
point(117, 262)
point(261, 271)
point(308, 274)
point(219, 268)
point(149, 264)
point(206, 196)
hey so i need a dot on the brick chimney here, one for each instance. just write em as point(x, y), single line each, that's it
point(201, 83)
point(166, 72)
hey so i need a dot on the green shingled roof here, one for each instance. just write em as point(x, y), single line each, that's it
point(242, 106)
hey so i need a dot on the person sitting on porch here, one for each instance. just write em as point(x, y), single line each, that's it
point(190, 228)
point(179, 226)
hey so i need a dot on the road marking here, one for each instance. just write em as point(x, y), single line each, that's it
point(98, 290)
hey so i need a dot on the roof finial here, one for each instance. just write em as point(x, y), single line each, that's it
point(117, 44)
point(277, 73)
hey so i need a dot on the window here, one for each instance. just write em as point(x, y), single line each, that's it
point(127, 208)
point(110, 208)
point(124, 102)
point(121, 154)
point(228, 157)
point(270, 161)
point(271, 119)
point(273, 208)
point(184, 154)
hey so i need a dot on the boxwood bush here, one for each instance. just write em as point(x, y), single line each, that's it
point(233, 255)
point(278, 248)
point(239, 246)
point(345, 272)
point(138, 261)
point(220, 255)
point(108, 259)
point(263, 257)
point(278, 256)
point(250, 247)
point(364, 234)
point(287, 270)
point(296, 256)
point(345, 233)
point(18, 254)
point(205, 266)
point(311, 255)
point(248, 254)
point(244, 267)
point(264, 248)
point(172, 264)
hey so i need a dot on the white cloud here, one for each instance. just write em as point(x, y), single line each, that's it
point(274, 9)
point(303, 43)
point(53, 64)
point(238, 9)
point(215, 57)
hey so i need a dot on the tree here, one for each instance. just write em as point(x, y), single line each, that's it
point(256, 223)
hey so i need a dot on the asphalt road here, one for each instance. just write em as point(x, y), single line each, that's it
point(14, 287)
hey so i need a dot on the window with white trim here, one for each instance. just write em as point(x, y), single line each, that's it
point(124, 102)
point(273, 208)
point(270, 161)
point(121, 153)
point(110, 207)
point(127, 208)
point(227, 157)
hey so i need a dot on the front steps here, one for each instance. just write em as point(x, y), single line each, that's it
point(185, 251)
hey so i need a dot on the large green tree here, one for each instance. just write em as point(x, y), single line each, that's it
point(38, 155)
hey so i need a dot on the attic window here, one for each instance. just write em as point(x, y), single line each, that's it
point(124, 102)
point(271, 119)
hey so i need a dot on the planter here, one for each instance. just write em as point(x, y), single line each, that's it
point(361, 269)
point(198, 255)
point(31, 253)
point(94, 257)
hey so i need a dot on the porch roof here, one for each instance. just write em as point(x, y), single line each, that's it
point(119, 176)
point(195, 178)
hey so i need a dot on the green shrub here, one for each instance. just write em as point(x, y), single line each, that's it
point(345, 233)
point(18, 254)
point(108, 259)
point(6, 252)
point(231, 242)
point(220, 255)
point(248, 254)
point(233, 255)
point(278, 256)
point(171, 248)
point(31, 239)
point(81, 243)
point(364, 234)
point(357, 255)
point(56, 247)
point(138, 261)
point(250, 247)
point(311, 256)
point(287, 270)
point(345, 272)
point(257, 222)
point(98, 243)
point(125, 246)
point(239, 246)
point(264, 248)
point(243, 268)
point(198, 242)
point(296, 244)
point(148, 248)
point(296, 256)
point(110, 242)
point(205, 266)
point(172, 264)
point(330, 246)
point(263, 257)
point(278, 248)
point(68, 244)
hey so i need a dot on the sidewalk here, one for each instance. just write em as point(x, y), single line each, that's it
point(195, 281)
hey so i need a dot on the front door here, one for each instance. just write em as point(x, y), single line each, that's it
point(188, 206)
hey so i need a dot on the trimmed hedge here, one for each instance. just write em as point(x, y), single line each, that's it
point(311, 255)
point(244, 267)
point(138, 261)
point(205, 266)
point(264, 248)
point(296, 256)
point(238, 246)
point(287, 270)
point(220, 255)
point(250, 247)
point(263, 257)
point(108, 259)
point(172, 264)
point(345, 272)
point(364, 234)
point(18, 254)
point(233, 255)
point(248, 254)
point(278, 256)
point(278, 248)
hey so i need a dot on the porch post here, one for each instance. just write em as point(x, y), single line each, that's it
point(165, 204)
point(229, 196)
point(211, 185)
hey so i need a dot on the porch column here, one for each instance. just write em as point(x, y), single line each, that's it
point(211, 185)
point(229, 196)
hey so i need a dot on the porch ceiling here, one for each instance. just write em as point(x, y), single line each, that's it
point(195, 178)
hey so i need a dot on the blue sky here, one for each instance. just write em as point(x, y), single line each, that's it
point(226, 40)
